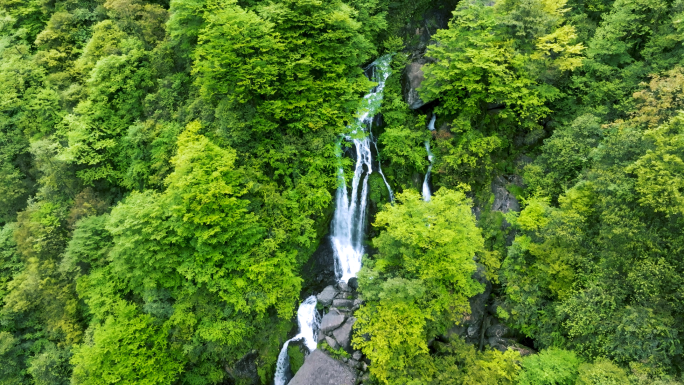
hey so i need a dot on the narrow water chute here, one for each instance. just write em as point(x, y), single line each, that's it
point(426, 182)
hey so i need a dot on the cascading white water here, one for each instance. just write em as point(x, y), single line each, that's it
point(309, 320)
point(348, 221)
point(389, 189)
point(350, 211)
point(426, 182)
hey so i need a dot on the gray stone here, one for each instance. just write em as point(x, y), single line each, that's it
point(497, 343)
point(319, 369)
point(414, 77)
point(357, 355)
point(498, 330)
point(332, 343)
point(342, 286)
point(331, 321)
point(353, 283)
point(343, 303)
point(325, 298)
point(343, 333)
point(503, 344)
point(504, 201)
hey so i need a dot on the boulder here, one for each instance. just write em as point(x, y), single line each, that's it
point(498, 330)
point(332, 343)
point(503, 344)
point(325, 298)
point(414, 77)
point(353, 283)
point(331, 321)
point(343, 303)
point(320, 369)
point(343, 333)
point(504, 201)
point(342, 286)
point(357, 355)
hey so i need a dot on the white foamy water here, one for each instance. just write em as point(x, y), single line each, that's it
point(308, 320)
point(350, 213)
point(389, 189)
point(426, 182)
point(350, 209)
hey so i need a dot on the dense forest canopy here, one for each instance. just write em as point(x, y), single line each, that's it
point(168, 169)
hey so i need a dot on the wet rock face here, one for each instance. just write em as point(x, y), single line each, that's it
point(319, 270)
point(413, 80)
point(504, 201)
point(320, 369)
point(498, 330)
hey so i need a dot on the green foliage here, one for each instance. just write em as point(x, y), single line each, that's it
point(196, 243)
point(338, 354)
point(401, 142)
point(491, 77)
point(601, 372)
point(566, 153)
point(460, 363)
point(296, 358)
point(550, 367)
point(419, 282)
point(212, 128)
point(128, 348)
point(595, 273)
point(51, 366)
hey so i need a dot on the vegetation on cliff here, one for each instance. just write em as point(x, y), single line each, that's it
point(168, 167)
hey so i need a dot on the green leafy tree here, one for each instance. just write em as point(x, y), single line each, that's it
point(577, 279)
point(128, 348)
point(457, 362)
point(204, 268)
point(418, 284)
point(550, 367)
point(488, 76)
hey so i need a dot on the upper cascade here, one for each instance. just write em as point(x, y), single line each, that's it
point(350, 210)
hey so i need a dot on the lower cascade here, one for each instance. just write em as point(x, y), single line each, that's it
point(309, 320)
point(426, 182)
point(347, 227)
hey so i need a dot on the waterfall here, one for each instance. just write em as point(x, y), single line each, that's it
point(389, 189)
point(350, 210)
point(426, 182)
point(308, 320)
point(350, 213)
point(431, 125)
